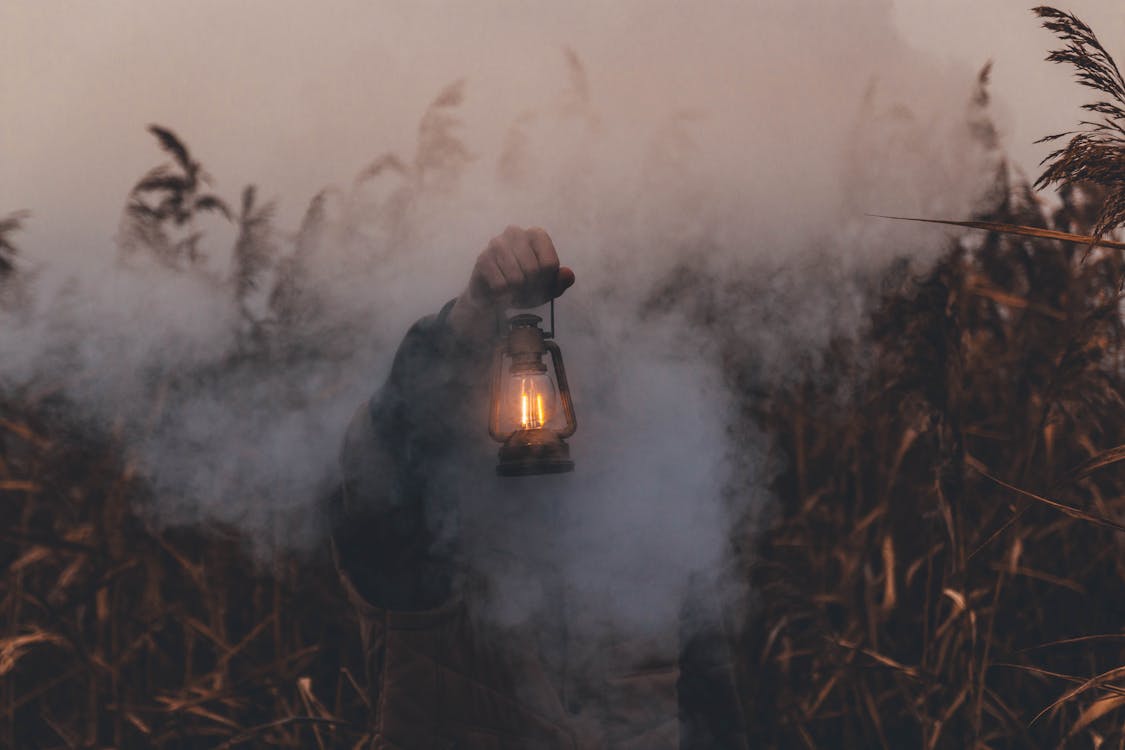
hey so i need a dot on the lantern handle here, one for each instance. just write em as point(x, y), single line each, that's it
point(551, 333)
point(564, 390)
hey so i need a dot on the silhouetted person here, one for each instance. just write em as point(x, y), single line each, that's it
point(419, 489)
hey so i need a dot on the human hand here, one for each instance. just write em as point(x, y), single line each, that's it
point(518, 269)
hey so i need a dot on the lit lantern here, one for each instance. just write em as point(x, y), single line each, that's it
point(530, 415)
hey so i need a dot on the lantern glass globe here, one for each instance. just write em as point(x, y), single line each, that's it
point(530, 402)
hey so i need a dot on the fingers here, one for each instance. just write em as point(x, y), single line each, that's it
point(496, 285)
point(547, 260)
point(519, 244)
point(504, 250)
point(520, 268)
point(487, 280)
point(563, 280)
point(544, 249)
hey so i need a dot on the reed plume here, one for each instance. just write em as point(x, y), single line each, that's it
point(1095, 152)
point(10, 225)
point(170, 196)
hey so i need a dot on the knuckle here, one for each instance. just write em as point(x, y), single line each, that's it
point(545, 246)
point(496, 283)
point(505, 260)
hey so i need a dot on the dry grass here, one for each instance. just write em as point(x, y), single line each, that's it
point(944, 567)
point(1095, 152)
point(947, 568)
point(951, 511)
point(113, 634)
point(9, 225)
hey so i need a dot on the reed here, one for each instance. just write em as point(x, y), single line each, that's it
point(943, 566)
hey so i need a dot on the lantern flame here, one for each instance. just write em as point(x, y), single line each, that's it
point(533, 414)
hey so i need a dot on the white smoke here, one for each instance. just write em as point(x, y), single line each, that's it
point(728, 142)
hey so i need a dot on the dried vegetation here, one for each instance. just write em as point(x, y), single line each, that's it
point(117, 634)
point(944, 567)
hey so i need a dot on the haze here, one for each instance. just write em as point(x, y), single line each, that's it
point(294, 96)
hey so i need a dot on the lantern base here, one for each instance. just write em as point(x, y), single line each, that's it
point(529, 452)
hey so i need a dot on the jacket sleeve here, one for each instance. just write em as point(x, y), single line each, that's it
point(382, 537)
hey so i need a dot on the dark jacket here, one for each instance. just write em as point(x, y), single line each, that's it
point(418, 472)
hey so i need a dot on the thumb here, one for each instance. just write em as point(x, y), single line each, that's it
point(563, 281)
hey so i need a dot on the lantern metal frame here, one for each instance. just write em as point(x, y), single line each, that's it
point(538, 450)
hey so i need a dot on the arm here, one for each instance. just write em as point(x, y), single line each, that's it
point(381, 533)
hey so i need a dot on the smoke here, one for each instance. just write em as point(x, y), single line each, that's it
point(704, 170)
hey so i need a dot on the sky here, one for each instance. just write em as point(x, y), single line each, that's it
point(295, 95)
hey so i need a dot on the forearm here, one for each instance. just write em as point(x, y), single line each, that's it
point(436, 375)
point(382, 532)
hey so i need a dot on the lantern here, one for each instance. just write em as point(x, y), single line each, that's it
point(531, 410)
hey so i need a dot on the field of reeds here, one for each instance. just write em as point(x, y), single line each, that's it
point(119, 635)
point(943, 566)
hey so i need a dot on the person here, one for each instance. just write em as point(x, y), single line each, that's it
point(427, 540)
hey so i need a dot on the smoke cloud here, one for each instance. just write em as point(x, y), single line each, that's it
point(717, 157)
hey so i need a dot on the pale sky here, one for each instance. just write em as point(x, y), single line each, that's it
point(297, 95)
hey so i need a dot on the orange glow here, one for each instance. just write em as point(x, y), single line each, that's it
point(533, 408)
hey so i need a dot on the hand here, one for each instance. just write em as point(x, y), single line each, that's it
point(519, 269)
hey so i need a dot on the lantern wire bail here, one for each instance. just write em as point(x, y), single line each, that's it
point(551, 334)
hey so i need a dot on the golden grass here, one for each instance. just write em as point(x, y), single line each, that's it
point(116, 634)
point(947, 566)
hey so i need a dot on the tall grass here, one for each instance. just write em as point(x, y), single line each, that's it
point(1095, 152)
point(951, 514)
point(943, 568)
point(115, 633)
point(946, 568)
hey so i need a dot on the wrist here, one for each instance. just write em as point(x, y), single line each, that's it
point(472, 319)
